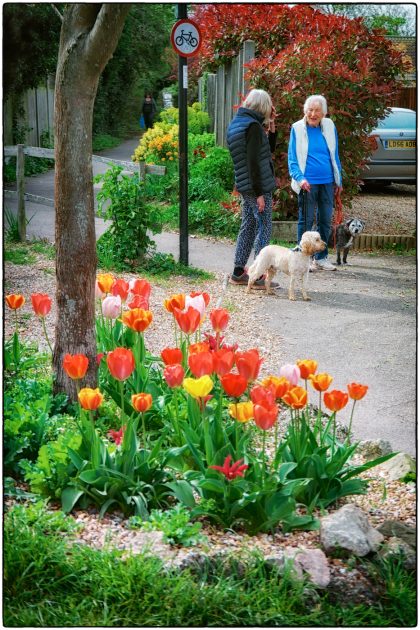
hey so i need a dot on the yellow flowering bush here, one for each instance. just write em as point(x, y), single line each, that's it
point(158, 145)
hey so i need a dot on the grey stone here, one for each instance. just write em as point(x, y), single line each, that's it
point(398, 467)
point(371, 449)
point(312, 562)
point(349, 530)
point(400, 530)
point(396, 547)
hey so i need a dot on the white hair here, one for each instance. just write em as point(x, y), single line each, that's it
point(320, 99)
point(259, 101)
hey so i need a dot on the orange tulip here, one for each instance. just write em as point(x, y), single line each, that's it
point(219, 318)
point(41, 304)
point(90, 399)
point(141, 402)
point(195, 348)
point(321, 381)
point(137, 319)
point(121, 288)
point(296, 397)
point(234, 384)
point(171, 356)
point(15, 301)
point(243, 411)
point(223, 361)
point(105, 282)
point(175, 301)
point(307, 367)
point(75, 365)
point(335, 399)
point(278, 385)
point(265, 415)
point(174, 375)
point(120, 363)
point(248, 363)
point(188, 321)
point(201, 363)
point(357, 391)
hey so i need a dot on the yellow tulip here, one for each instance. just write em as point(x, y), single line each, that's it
point(198, 387)
point(243, 411)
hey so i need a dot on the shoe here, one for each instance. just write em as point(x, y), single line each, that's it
point(325, 265)
point(260, 284)
point(241, 280)
point(313, 266)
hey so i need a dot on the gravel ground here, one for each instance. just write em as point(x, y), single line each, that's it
point(390, 210)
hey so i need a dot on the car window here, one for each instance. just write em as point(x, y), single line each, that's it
point(398, 120)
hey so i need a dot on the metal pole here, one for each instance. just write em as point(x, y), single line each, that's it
point(20, 186)
point(183, 149)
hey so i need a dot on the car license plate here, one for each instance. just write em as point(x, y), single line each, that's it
point(399, 144)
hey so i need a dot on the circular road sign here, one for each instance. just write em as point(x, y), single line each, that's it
point(186, 38)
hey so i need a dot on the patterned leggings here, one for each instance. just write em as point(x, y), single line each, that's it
point(255, 230)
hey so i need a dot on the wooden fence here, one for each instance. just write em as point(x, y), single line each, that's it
point(224, 91)
point(37, 118)
point(19, 151)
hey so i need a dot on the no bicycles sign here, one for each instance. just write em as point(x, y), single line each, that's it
point(186, 38)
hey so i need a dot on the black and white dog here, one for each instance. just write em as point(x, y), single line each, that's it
point(344, 236)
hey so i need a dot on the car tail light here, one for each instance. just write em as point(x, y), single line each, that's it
point(373, 142)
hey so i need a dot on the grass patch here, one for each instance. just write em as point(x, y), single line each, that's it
point(47, 583)
point(18, 254)
point(44, 248)
point(103, 141)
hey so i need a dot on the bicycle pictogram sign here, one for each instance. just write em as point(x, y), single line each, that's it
point(186, 38)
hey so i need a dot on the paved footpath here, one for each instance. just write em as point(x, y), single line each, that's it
point(360, 325)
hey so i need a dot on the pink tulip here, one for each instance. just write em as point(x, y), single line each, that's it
point(98, 293)
point(111, 306)
point(197, 302)
point(291, 372)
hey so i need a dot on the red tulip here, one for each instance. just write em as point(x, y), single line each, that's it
point(120, 363)
point(170, 356)
point(219, 318)
point(174, 375)
point(234, 384)
point(99, 357)
point(75, 365)
point(41, 304)
point(195, 348)
point(141, 402)
point(201, 363)
point(336, 400)
point(137, 319)
point(117, 436)
point(223, 361)
point(137, 301)
point(15, 301)
point(357, 391)
point(265, 414)
point(231, 472)
point(188, 321)
point(248, 363)
point(262, 394)
point(121, 288)
point(140, 287)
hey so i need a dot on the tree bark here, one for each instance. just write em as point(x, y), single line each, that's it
point(89, 36)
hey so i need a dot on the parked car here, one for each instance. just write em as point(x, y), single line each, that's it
point(394, 149)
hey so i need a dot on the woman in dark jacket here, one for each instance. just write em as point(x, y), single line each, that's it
point(251, 138)
point(148, 110)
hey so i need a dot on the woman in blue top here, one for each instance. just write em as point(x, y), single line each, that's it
point(314, 166)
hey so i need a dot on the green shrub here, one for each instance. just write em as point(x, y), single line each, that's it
point(174, 523)
point(126, 240)
point(198, 121)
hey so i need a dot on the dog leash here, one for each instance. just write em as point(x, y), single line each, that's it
point(338, 214)
point(305, 208)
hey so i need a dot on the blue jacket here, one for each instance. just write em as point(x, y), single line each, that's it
point(237, 144)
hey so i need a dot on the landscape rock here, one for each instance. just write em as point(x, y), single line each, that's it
point(396, 547)
point(371, 449)
point(400, 530)
point(312, 562)
point(398, 467)
point(349, 530)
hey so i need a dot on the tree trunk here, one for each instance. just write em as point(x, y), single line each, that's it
point(89, 36)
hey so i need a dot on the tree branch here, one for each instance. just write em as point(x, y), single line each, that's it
point(106, 31)
point(57, 11)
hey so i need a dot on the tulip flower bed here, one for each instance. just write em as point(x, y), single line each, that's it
point(195, 425)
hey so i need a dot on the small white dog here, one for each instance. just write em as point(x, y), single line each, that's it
point(294, 262)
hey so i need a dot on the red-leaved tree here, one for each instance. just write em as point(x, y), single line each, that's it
point(300, 51)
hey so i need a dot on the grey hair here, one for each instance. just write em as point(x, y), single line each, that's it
point(316, 97)
point(260, 101)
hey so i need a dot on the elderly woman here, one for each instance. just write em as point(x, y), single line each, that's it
point(315, 169)
point(251, 138)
